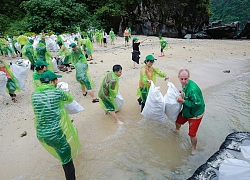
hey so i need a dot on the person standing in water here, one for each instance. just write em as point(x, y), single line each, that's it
point(193, 106)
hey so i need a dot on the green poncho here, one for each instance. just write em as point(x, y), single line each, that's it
point(74, 56)
point(82, 75)
point(53, 126)
point(43, 54)
point(164, 44)
point(112, 35)
point(108, 91)
point(36, 79)
point(28, 51)
point(64, 51)
point(89, 47)
point(12, 83)
point(147, 73)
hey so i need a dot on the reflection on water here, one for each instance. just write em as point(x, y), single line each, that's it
point(151, 150)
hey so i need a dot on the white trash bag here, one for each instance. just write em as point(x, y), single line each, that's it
point(73, 107)
point(3, 82)
point(172, 107)
point(20, 72)
point(119, 100)
point(154, 107)
point(54, 62)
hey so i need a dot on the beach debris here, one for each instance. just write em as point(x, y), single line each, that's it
point(226, 71)
point(91, 63)
point(101, 61)
point(23, 134)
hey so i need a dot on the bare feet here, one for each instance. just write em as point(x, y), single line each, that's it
point(119, 122)
point(105, 112)
point(194, 151)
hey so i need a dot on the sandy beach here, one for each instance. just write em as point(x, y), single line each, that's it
point(105, 145)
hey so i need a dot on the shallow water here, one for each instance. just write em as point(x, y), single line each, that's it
point(147, 149)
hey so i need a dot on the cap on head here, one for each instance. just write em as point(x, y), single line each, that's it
point(159, 37)
point(21, 33)
point(31, 40)
point(72, 45)
point(42, 41)
point(39, 63)
point(76, 38)
point(48, 76)
point(59, 42)
point(135, 39)
point(150, 58)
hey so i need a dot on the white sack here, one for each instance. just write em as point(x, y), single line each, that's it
point(154, 107)
point(21, 74)
point(234, 169)
point(172, 107)
point(74, 107)
point(55, 65)
point(119, 100)
point(3, 82)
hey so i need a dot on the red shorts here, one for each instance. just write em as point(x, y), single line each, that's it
point(193, 124)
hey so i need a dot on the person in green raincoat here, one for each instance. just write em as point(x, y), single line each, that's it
point(28, 51)
point(54, 128)
point(112, 37)
point(42, 53)
point(6, 48)
point(22, 40)
point(164, 45)
point(40, 67)
point(64, 51)
point(88, 47)
point(75, 53)
point(84, 79)
point(13, 41)
point(147, 74)
point(109, 90)
point(12, 83)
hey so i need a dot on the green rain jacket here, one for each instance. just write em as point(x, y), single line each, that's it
point(108, 91)
point(193, 105)
point(147, 73)
point(53, 126)
point(28, 51)
point(43, 54)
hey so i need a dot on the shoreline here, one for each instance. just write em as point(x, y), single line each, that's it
point(206, 60)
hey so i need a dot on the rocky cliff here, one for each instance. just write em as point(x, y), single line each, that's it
point(172, 18)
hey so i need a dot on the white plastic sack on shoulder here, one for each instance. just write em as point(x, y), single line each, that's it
point(21, 74)
point(234, 169)
point(64, 86)
point(73, 107)
point(3, 82)
point(119, 100)
point(172, 107)
point(154, 107)
point(55, 65)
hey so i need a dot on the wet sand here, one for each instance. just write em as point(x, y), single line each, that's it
point(140, 149)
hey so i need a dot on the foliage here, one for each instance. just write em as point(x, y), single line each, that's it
point(64, 15)
point(230, 10)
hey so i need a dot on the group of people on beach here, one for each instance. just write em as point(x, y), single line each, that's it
point(54, 128)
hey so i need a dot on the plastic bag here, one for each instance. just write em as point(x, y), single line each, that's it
point(154, 107)
point(54, 62)
point(21, 74)
point(119, 100)
point(3, 82)
point(172, 107)
point(74, 107)
point(234, 169)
